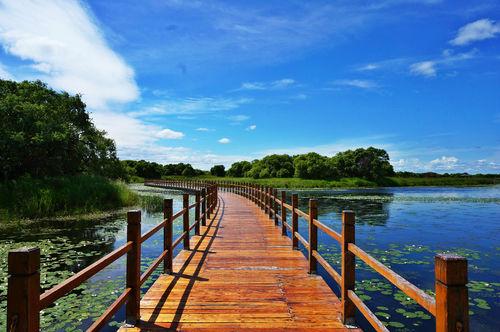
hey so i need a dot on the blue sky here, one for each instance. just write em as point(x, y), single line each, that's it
point(209, 82)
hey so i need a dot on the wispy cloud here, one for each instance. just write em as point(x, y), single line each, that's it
point(191, 106)
point(274, 85)
point(357, 83)
point(448, 58)
point(170, 134)
point(368, 67)
point(251, 127)
point(238, 118)
point(478, 30)
point(204, 129)
point(224, 140)
point(424, 68)
point(67, 50)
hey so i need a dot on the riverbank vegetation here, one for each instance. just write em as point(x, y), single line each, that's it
point(37, 198)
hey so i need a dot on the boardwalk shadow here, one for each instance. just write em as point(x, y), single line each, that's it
point(192, 278)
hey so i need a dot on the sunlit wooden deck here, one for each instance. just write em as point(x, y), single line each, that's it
point(240, 274)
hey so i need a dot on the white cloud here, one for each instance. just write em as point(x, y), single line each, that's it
point(4, 74)
point(67, 48)
point(170, 134)
point(424, 68)
point(251, 127)
point(192, 106)
point(357, 83)
point(224, 140)
point(444, 163)
point(475, 31)
point(128, 132)
point(368, 67)
point(239, 118)
point(274, 85)
point(203, 129)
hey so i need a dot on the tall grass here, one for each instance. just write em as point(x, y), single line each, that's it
point(35, 198)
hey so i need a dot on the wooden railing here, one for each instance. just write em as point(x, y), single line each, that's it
point(450, 305)
point(24, 301)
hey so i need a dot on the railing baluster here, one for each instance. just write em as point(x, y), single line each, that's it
point(275, 195)
point(348, 266)
point(295, 221)
point(452, 300)
point(204, 207)
point(197, 213)
point(185, 220)
point(313, 234)
point(23, 292)
point(134, 266)
point(283, 213)
point(168, 234)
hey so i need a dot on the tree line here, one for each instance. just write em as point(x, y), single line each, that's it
point(370, 163)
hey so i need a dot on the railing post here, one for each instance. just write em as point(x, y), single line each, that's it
point(23, 292)
point(452, 299)
point(348, 266)
point(132, 307)
point(209, 197)
point(263, 198)
point(197, 213)
point(185, 220)
point(295, 221)
point(167, 235)
point(204, 207)
point(283, 213)
point(275, 195)
point(313, 234)
point(271, 202)
point(266, 200)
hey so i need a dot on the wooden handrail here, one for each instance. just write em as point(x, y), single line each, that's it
point(367, 313)
point(328, 268)
point(415, 293)
point(328, 230)
point(110, 311)
point(50, 296)
point(302, 240)
point(152, 267)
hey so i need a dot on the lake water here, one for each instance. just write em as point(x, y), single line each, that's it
point(402, 227)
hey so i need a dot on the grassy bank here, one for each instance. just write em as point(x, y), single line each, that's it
point(360, 183)
point(59, 196)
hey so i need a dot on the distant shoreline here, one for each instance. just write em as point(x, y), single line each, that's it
point(350, 183)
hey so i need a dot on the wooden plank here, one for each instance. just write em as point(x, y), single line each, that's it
point(240, 274)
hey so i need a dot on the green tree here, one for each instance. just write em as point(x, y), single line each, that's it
point(370, 163)
point(218, 170)
point(314, 166)
point(239, 169)
point(272, 166)
point(49, 133)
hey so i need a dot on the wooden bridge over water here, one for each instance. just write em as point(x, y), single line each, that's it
point(237, 271)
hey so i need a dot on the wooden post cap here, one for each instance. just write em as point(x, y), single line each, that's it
point(24, 261)
point(451, 270)
point(134, 216)
point(348, 217)
point(313, 203)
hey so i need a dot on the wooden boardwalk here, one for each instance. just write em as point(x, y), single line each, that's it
point(240, 274)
